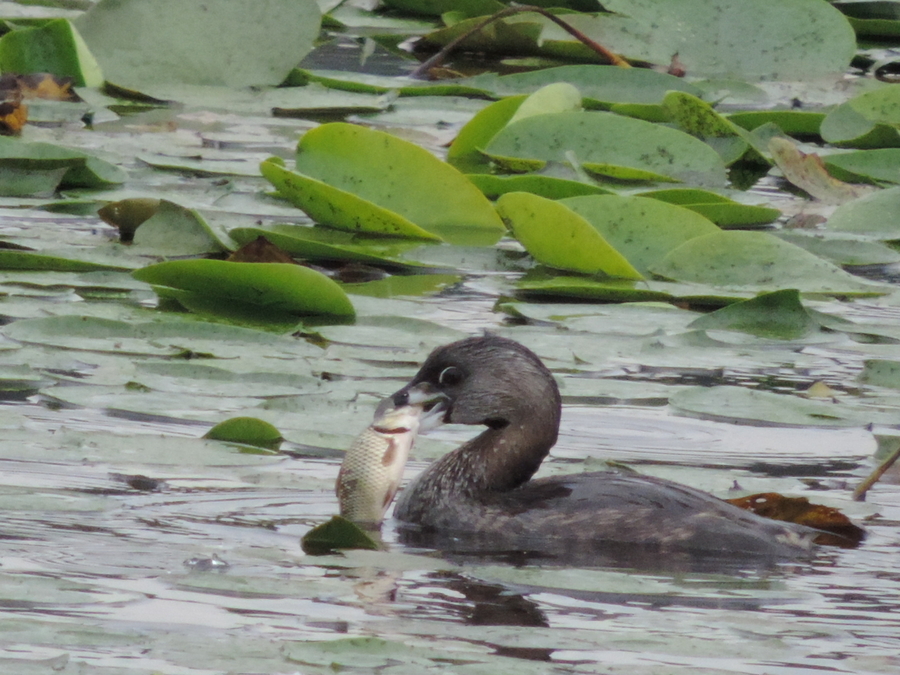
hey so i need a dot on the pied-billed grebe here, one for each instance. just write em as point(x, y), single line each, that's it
point(484, 487)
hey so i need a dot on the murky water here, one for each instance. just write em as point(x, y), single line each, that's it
point(205, 573)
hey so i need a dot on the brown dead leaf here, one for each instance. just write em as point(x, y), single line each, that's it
point(13, 116)
point(837, 529)
point(47, 86)
point(261, 250)
point(807, 172)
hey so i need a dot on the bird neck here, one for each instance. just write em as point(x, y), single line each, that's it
point(497, 460)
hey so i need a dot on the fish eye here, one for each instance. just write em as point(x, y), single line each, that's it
point(450, 376)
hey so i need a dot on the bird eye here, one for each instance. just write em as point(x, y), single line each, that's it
point(450, 376)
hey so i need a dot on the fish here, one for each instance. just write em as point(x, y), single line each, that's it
point(373, 466)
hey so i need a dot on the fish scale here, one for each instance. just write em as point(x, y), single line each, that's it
point(373, 466)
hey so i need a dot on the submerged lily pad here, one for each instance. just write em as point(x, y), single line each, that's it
point(874, 214)
point(723, 211)
point(557, 236)
point(69, 167)
point(280, 288)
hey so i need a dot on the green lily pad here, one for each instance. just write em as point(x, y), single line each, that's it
point(881, 373)
point(791, 122)
point(79, 169)
point(874, 214)
point(55, 47)
point(465, 151)
point(757, 260)
point(723, 211)
point(642, 230)
point(737, 404)
point(842, 248)
point(246, 431)
point(321, 244)
point(336, 534)
point(880, 165)
point(792, 40)
point(608, 144)
point(279, 288)
point(175, 230)
point(844, 127)
point(570, 243)
point(543, 186)
point(697, 117)
point(28, 260)
point(779, 315)
point(338, 208)
point(600, 86)
point(362, 180)
point(219, 42)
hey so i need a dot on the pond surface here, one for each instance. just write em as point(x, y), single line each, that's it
point(129, 545)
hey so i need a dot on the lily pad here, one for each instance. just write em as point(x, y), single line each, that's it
point(218, 42)
point(642, 230)
point(173, 230)
point(321, 244)
point(336, 534)
point(279, 288)
point(543, 186)
point(737, 404)
point(721, 210)
point(246, 431)
point(55, 47)
point(465, 151)
point(779, 315)
point(609, 145)
point(757, 260)
point(874, 214)
point(697, 117)
point(558, 237)
point(880, 165)
point(19, 158)
point(358, 179)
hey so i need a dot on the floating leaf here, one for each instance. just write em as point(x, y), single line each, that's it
point(874, 214)
point(642, 230)
point(273, 287)
point(734, 404)
point(608, 144)
point(600, 86)
point(842, 248)
point(321, 244)
point(465, 151)
point(358, 179)
point(558, 237)
point(779, 315)
point(845, 126)
point(544, 186)
point(246, 431)
point(881, 165)
point(836, 528)
point(175, 230)
point(218, 42)
point(791, 122)
point(697, 117)
point(336, 534)
point(66, 167)
point(757, 260)
point(55, 47)
point(29, 260)
point(722, 211)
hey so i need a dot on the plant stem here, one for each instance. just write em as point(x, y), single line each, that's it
point(437, 59)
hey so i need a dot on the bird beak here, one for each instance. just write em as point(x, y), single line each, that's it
point(435, 404)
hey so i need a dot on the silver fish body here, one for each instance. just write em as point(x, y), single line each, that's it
point(373, 466)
